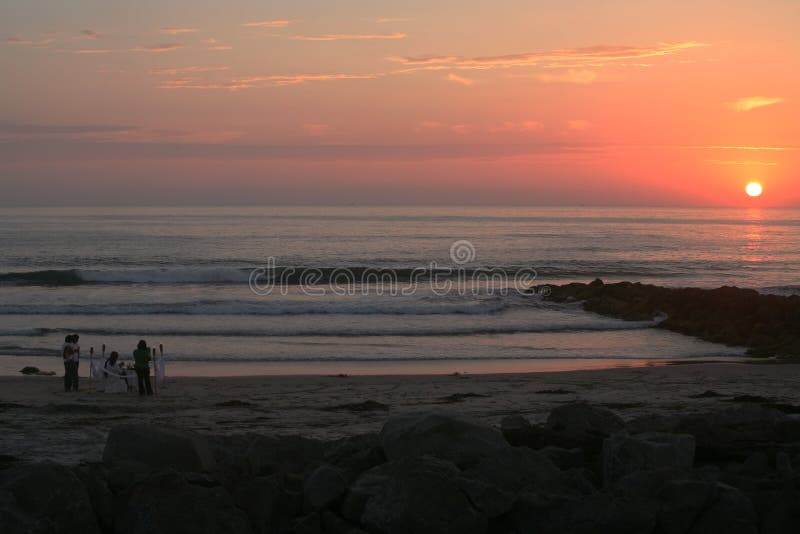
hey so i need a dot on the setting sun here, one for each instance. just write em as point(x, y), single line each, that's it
point(754, 189)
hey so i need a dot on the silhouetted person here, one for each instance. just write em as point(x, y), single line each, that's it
point(141, 357)
point(70, 365)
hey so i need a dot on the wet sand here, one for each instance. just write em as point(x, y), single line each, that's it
point(41, 421)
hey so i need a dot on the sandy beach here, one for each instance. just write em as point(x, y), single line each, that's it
point(41, 421)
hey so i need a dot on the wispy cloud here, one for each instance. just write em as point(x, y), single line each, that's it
point(178, 30)
point(598, 55)
point(15, 130)
point(164, 47)
point(279, 23)
point(459, 129)
point(193, 83)
point(742, 147)
point(519, 127)
point(578, 125)
point(90, 34)
point(463, 80)
point(742, 163)
point(92, 51)
point(220, 47)
point(260, 81)
point(20, 41)
point(349, 36)
point(570, 76)
point(387, 20)
point(754, 102)
point(294, 79)
point(173, 71)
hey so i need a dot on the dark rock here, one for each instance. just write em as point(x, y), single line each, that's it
point(309, 524)
point(44, 498)
point(123, 474)
point(782, 516)
point(518, 431)
point(494, 484)
point(645, 484)
point(30, 370)
point(166, 502)
point(230, 456)
point(767, 324)
point(623, 454)
point(730, 513)
point(333, 524)
point(412, 494)
point(581, 425)
point(158, 448)
point(93, 478)
point(355, 454)
point(597, 513)
point(268, 504)
point(682, 502)
point(783, 464)
point(323, 487)
point(451, 437)
point(735, 433)
point(756, 464)
point(565, 458)
point(286, 454)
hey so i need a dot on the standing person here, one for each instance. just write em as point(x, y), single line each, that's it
point(142, 358)
point(76, 355)
point(70, 368)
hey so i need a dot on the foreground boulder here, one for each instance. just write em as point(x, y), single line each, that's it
point(158, 447)
point(699, 507)
point(582, 425)
point(167, 503)
point(736, 433)
point(624, 455)
point(413, 494)
point(44, 498)
point(458, 439)
point(283, 455)
point(268, 503)
point(324, 486)
point(494, 484)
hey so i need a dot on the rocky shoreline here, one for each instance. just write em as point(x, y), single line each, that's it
point(584, 469)
point(768, 325)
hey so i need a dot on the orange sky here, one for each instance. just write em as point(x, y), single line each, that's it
point(416, 102)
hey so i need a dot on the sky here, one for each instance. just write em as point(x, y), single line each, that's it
point(510, 102)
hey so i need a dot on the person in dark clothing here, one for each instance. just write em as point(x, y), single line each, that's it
point(70, 368)
point(141, 357)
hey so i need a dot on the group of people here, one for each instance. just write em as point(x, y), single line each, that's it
point(112, 368)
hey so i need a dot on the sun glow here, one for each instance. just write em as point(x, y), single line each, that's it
point(754, 189)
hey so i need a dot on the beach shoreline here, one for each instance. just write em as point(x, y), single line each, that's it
point(43, 422)
point(12, 365)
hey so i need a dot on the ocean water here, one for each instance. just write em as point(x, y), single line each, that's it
point(358, 293)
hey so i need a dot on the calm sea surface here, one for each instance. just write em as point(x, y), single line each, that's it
point(180, 277)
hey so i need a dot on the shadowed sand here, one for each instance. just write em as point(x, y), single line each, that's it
point(40, 421)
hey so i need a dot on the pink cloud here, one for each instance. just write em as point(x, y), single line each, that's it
point(349, 36)
point(268, 23)
point(178, 30)
point(597, 54)
point(165, 47)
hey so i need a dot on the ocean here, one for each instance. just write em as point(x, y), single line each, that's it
point(244, 290)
